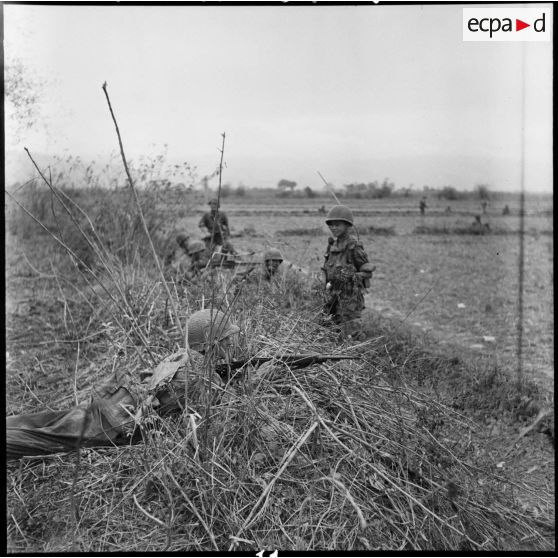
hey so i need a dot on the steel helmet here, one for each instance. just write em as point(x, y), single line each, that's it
point(340, 213)
point(273, 254)
point(196, 246)
point(205, 326)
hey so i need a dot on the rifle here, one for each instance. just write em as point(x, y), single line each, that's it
point(295, 361)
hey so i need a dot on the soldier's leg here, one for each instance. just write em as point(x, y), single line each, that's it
point(350, 312)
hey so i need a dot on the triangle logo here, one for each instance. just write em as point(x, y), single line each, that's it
point(519, 25)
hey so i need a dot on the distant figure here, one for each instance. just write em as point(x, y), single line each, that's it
point(217, 225)
point(322, 209)
point(484, 205)
point(423, 206)
point(506, 210)
point(478, 227)
point(448, 209)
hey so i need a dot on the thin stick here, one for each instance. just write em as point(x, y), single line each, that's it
point(147, 514)
point(349, 497)
point(327, 186)
point(75, 376)
point(142, 218)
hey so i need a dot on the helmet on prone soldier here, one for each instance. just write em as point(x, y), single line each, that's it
point(195, 247)
point(208, 326)
point(273, 255)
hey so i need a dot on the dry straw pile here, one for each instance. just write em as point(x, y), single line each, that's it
point(337, 456)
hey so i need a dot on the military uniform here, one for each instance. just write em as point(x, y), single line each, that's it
point(112, 414)
point(219, 236)
point(344, 300)
point(108, 418)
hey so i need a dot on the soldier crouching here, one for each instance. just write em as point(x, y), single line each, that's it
point(347, 272)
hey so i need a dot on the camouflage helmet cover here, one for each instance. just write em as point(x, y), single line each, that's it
point(196, 246)
point(205, 326)
point(273, 254)
point(340, 213)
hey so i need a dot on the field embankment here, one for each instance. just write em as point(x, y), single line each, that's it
point(417, 445)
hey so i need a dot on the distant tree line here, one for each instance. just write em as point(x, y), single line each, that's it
point(372, 190)
point(359, 190)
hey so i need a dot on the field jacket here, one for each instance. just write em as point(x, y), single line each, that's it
point(113, 411)
point(343, 259)
point(221, 232)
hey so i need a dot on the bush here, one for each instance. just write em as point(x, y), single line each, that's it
point(450, 193)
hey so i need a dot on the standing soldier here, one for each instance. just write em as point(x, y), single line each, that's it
point(347, 272)
point(423, 206)
point(217, 225)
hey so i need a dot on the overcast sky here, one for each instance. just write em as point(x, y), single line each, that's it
point(357, 92)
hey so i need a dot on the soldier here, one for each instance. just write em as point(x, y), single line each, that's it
point(272, 261)
point(117, 406)
point(217, 225)
point(478, 227)
point(272, 266)
point(182, 241)
point(199, 258)
point(423, 206)
point(347, 272)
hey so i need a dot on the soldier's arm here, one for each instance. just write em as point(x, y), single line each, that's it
point(362, 264)
point(360, 257)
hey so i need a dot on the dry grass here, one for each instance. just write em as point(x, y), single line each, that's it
point(359, 455)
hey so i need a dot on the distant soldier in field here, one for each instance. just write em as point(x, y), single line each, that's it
point(506, 210)
point(478, 227)
point(347, 272)
point(216, 224)
point(423, 206)
point(272, 260)
point(256, 272)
